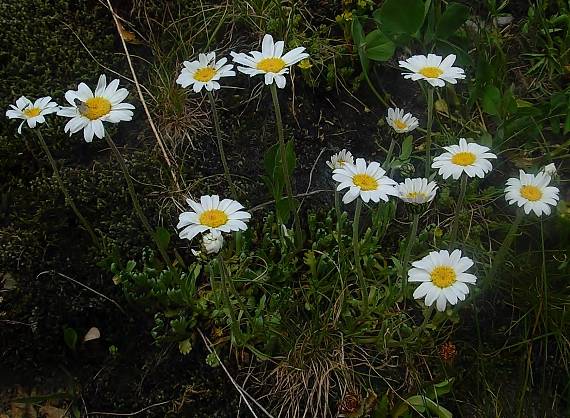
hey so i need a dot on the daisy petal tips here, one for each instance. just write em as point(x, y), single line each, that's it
point(30, 112)
point(532, 193)
point(365, 181)
point(270, 61)
point(213, 215)
point(339, 159)
point(400, 122)
point(90, 109)
point(469, 158)
point(443, 278)
point(434, 69)
point(205, 72)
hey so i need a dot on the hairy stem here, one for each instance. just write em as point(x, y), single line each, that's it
point(68, 200)
point(356, 249)
point(236, 331)
point(409, 246)
point(430, 90)
point(458, 207)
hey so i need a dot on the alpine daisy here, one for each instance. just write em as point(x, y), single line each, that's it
point(270, 61)
point(32, 113)
point(469, 158)
point(532, 193)
point(205, 72)
point(211, 214)
point(366, 181)
point(339, 159)
point(400, 122)
point(417, 190)
point(432, 69)
point(443, 278)
point(89, 110)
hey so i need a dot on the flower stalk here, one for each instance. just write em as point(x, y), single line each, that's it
point(68, 199)
point(221, 145)
point(356, 249)
point(236, 331)
point(283, 154)
point(430, 91)
point(458, 208)
point(135, 200)
point(409, 246)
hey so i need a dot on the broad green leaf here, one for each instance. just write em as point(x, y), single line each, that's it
point(70, 338)
point(397, 17)
point(185, 346)
point(492, 100)
point(406, 148)
point(360, 43)
point(378, 46)
point(162, 236)
point(454, 16)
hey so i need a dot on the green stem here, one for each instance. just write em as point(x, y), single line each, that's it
point(505, 246)
point(430, 90)
point(283, 154)
point(458, 207)
point(387, 162)
point(135, 199)
point(409, 246)
point(236, 331)
point(338, 225)
point(221, 145)
point(356, 248)
point(68, 200)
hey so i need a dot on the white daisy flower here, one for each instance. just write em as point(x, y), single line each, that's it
point(532, 193)
point(339, 159)
point(270, 61)
point(432, 69)
point(443, 278)
point(212, 243)
point(205, 72)
point(32, 113)
point(417, 190)
point(89, 110)
point(469, 158)
point(211, 214)
point(401, 122)
point(366, 181)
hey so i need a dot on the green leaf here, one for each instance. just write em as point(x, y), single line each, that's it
point(454, 16)
point(492, 100)
point(360, 43)
point(70, 338)
point(162, 237)
point(397, 17)
point(406, 148)
point(378, 46)
point(185, 346)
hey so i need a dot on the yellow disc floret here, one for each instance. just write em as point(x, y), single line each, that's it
point(443, 276)
point(431, 72)
point(32, 112)
point(213, 218)
point(531, 193)
point(398, 123)
point(365, 182)
point(271, 65)
point(463, 158)
point(95, 108)
point(205, 74)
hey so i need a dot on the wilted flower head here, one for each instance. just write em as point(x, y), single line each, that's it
point(211, 214)
point(90, 109)
point(270, 61)
point(532, 193)
point(443, 278)
point(417, 191)
point(204, 72)
point(339, 159)
point(432, 69)
point(469, 158)
point(365, 181)
point(400, 122)
point(32, 113)
point(213, 242)
point(550, 170)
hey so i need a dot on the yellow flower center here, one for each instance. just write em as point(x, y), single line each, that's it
point(365, 182)
point(271, 65)
point(95, 108)
point(531, 193)
point(400, 124)
point(443, 276)
point(431, 72)
point(414, 195)
point(213, 218)
point(32, 112)
point(205, 74)
point(463, 158)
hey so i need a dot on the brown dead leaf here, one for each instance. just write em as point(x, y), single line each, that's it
point(48, 411)
point(92, 334)
point(128, 36)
